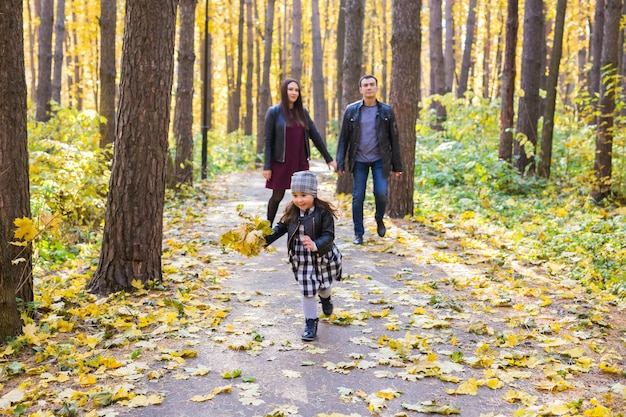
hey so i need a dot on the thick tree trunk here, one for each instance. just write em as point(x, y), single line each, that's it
point(507, 112)
point(352, 62)
point(183, 117)
point(545, 153)
point(133, 231)
point(15, 279)
point(528, 106)
point(406, 48)
point(604, 137)
point(319, 102)
point(108, 70)
point(44, 73)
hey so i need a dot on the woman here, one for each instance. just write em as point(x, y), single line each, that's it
point(288, 128)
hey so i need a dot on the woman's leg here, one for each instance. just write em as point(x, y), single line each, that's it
point(272, 205)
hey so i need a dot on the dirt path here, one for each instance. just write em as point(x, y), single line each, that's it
point(416, 316)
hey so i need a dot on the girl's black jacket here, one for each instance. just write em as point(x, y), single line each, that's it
point(319, 226)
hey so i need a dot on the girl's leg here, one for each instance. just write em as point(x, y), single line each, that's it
point(309, 306)
point(327, 305)
point(272, 205)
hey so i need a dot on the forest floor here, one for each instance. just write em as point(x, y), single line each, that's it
point(429, 319)
point(422, 324)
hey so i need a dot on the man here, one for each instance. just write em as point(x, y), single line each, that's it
point(369, 140)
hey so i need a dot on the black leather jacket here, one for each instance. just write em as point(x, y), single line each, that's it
point(275, 127)
point(319, 226)
point(386, 130)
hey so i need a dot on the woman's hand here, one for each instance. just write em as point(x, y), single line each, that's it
point(267, 174)
point(333, 165)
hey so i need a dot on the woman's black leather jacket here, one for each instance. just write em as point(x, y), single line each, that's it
point(275, 127)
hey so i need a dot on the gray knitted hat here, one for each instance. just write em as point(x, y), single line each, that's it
point(304, 182)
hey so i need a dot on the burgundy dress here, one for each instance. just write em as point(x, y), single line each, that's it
point(295, 160)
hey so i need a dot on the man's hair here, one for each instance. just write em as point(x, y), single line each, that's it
point(365, 77)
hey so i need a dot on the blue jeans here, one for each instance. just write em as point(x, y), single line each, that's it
point(359, 179)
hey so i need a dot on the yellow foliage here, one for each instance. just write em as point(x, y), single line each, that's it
point(25, 229)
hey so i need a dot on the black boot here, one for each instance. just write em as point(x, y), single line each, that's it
point(327, 306)
point(310, 330)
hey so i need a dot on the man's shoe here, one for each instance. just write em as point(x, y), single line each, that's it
point(381, 229)
point(358, 240)
point(327, 306)
point(310, 330)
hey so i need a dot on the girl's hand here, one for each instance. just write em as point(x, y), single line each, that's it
point(308, 243)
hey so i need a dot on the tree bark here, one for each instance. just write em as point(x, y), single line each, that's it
point(265, 98)
point(59, 34)
point(296, 40)
point(108, 70)
point(339, 54)
point(15, 279)
point(604, 136)
point(319, 102)
point(437, 70)
point(234, 96)
point(405, 97)
point(133, 232)
point(545, 153)
point(183, 117)
point(247, 120)
point(596, 49)
point(352, 62)
point(44, 72)
point(507, 112)
point(449, 48)
point(467, 49)
point(528, 105)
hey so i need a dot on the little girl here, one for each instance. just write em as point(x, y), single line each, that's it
point(315, 259)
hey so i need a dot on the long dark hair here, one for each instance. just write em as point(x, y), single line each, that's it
point(294, 116)
point(292, 212)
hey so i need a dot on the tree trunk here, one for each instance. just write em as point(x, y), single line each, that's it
point(319, 102)
point(234, 95)
point(183, 117)
point(108, 70)
point(384, 62)
point(528, 107)
point(248, 118)
point(265, 98)
point(610, 76)
point(449, 49)
point(44, 83)
point(507, 112)
point(339, 54)
point(487, 55)
point(133, 232)
point(545, 154)
point(596, 50)
point(467, 49)
point(437, 71)
point(207, 91)
point(59, 35)
point(352, 61)
point(296, 40)
point(405, 97)
point(15, 279)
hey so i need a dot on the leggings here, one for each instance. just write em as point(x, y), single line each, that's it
point(272, 205)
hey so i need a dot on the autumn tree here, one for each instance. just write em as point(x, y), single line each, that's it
point(507, 112)
point(44, 70)
point(406, 45)
point(234, 76)
point(133, 232)
point(265, 97)
point(247, 121)
point(59, 38)
point(545, 154)
point(183, 113)
point(15, 277)
point(606, 123)
point(319, 102)
point(528, 104)
point(467, 49)
point(437, 70)
point(352, 60)
point(448, 55)
point(108, 70)
point(296, 40)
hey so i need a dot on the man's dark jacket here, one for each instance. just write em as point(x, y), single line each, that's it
point(386, 131)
